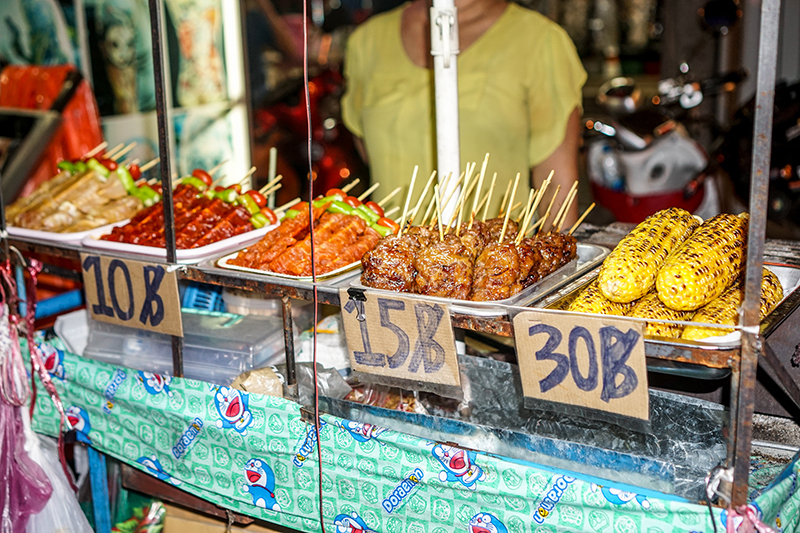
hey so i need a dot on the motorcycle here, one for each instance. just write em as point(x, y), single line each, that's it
point(644, 159)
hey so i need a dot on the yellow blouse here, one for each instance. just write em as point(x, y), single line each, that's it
point(517, 85)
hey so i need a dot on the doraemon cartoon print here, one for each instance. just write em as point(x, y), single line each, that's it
point(486, 523)
point(232, 408)
point(621, 497)
point(154, 383)
point(53, 359)
point(78, 420)
point(153, 466)
point(459, 465)
point(351, 523)
point(260, 484)
point(361, 431)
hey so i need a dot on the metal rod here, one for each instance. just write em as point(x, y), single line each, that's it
point(781, 375)
point(288, 339)
point(752, 342)
point(163, 152)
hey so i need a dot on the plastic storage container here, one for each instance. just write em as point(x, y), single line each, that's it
point(217, 346)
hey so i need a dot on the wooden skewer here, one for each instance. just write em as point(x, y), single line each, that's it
point(217, 181)
point(511, 201)
point(464, 195)
point(152, 181)
point(408, 199)
point(438, 212)
point(422, 197)
point(505, 197)
point(390, 196)
point(578, 223)
point(484, 199)
point(564, 204)
point(516, 205)
point(549, 207)
point(524, 213)
point(124, 151)
point(392, 211)
point(247, 176)
point(216, 168)
point(489, 198)
point(453, 190)
point(536, 225)
point(350, 185)
point(475, 207)
point(113, 151)
point(571, 198)
point(369, 191)
point(539, 196)
point(272, 189)
point(278, 178)
point(129, 162)
point(95, 150)
point(525, 217)
point(432, 204)
point(150, 164)
point(287, 205)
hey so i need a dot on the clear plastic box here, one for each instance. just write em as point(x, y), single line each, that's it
point(217, 346)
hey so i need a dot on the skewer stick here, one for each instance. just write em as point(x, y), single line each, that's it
point(269, 185)
point(129, 163)
point(564, 204)
point(524, 213)
point(505, 197)
point(516, 205)
point(150, 164)
point(272, 190)
point(408, 199)
point(527, 219)
point(461, 208)
point(483, 200)
point(369, 191)
point(549, 207)
point(113, 151)
point(539, 196)
point(467, 190)
point(438, 212)
point(95, 150)
point(392, 211)
point(511, 201)
point(152, 181)
point(287, 205)
point(432, 204)
point(216, 168)
point(569, 203)
point(124, 151)
point(421, 197)
point(489, 198)
point(247, 176)
point(578, 223)
point(536, 225)
point(475, 207)
point(390, 196)
point(350, 185)
point(453, 190)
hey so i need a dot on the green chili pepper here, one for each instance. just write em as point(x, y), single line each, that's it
point(98, 167)
point(247, 201)
point(146, 194)
point(80, 166)
point(194, 182)
point(340, 207)
point(371, 215)
point(322, 201)
point(259, 221)
point(291, 213)
point(226, 195)
point(66, 166)
point(383, 231)
point(125, 177)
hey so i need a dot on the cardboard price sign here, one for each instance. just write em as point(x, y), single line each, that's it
point(131, 293)
point(399, 337)
point(593, 362)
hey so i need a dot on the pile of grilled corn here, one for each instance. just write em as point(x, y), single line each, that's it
point(671, 267)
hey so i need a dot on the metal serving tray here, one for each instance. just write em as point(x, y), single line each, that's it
point(225, 262)
point(589, 256)
point(789, 277)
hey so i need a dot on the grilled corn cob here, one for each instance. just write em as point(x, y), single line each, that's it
point(591, 300)
point(705, 265)
point(725, 309)
point(651, 307)
point(630, 271)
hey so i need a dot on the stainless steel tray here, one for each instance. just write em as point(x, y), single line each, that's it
point(589, 256)
point(789, 277)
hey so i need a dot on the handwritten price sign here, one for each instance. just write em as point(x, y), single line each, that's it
point(595, 362)
point(400, 338)
point(132, 293)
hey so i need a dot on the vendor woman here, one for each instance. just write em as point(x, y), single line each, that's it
point(519, 88)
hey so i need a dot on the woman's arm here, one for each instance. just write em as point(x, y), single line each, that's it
point(564, 161)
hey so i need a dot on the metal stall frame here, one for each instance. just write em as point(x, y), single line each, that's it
point(742, 362)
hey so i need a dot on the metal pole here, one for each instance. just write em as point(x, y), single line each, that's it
point(752, 342)
point(444, 49)
point(163, 151)
point(288, 339)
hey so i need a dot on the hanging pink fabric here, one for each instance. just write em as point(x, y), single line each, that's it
point(744, 519)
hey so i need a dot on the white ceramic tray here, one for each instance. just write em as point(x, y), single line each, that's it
point(190, 256)
point(53, 236)
point(225, 262)
point(589, 256)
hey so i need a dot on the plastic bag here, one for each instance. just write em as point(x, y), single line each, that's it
point(62, 514)
point(24, 489)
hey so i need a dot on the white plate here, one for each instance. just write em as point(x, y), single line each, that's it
point(61, 237)
point(225, 262)
point(192, 255)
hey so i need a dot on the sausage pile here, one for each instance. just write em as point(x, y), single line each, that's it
point(472, 265)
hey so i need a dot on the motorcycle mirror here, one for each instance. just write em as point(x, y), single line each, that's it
point(719, 15)
point(619, 96)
